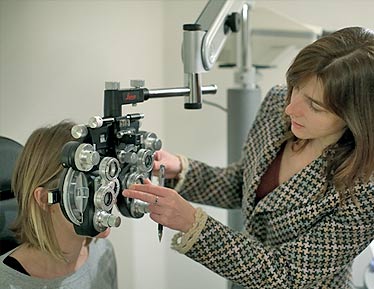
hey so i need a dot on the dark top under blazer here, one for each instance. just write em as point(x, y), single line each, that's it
point(290, 239)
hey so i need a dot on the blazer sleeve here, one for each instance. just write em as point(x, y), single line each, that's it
point(222, 187)
point(317, 256)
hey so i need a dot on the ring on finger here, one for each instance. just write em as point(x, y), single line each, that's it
point(156, 200)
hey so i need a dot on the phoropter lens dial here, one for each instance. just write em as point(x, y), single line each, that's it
point(145, 160)
point(104, 198)
point(109, 168)
point(103, 220)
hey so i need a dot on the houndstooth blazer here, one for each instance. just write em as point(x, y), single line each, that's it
point(290, 239)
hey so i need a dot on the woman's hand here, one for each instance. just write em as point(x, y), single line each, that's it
point(166, 206)
point(171, 162)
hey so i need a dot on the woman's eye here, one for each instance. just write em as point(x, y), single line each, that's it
point(315, 107)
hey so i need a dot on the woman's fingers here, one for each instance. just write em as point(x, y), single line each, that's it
point(157, 155)
point(156, 209)
point(147, 192)
point(156, 218)
point(166, 206)
point(149, 188)
point(140, 195)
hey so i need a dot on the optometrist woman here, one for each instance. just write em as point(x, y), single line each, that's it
point(51, 254)
point(304, 182)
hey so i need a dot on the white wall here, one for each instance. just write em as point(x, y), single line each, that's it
point(54, 59)
point(56, 55)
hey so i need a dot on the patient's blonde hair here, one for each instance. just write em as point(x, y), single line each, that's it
point(39, 166)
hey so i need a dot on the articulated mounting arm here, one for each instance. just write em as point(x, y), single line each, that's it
point(203, 42)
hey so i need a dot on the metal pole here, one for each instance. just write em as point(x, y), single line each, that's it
point(243, 104)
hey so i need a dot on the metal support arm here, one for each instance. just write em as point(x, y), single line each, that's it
point(203, 42)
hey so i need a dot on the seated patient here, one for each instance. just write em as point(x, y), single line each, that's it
point(51, 254)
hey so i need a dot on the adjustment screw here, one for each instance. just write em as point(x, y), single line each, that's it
point(137, 83)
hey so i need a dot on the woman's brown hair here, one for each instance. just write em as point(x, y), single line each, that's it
point(344, 62)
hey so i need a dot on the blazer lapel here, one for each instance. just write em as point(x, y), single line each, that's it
point(262, 153)
point(298, 190)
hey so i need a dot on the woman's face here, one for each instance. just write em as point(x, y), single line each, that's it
point(309, 118)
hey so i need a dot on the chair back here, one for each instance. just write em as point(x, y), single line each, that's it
point(9, 152)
